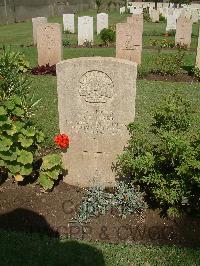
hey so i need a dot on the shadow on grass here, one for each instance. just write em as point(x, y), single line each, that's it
point(20, 248)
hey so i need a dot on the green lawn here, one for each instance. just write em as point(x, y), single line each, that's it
point(25, 249)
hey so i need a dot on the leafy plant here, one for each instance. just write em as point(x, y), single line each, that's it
point(50, 170)
point(95, 202)
point(125, 200)
point(108, 36)
point(19, 140)
point(88, 44)
point(44, 70)
point(195, 71)
point(162, 43)
point(165, 163)
point(171, 33)
point(12, 82)
point(168, 64)
point(161, 18)
point(66, 43)
point(146, 15)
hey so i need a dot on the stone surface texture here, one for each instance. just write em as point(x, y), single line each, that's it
point(102, 22)
point(85, 30)
point(129, 42)
point(37, 22)
point(96, 101)
point(183, 32)
point(68, 22)
point(49, 44)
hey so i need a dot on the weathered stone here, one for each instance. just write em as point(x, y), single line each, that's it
point(102, 22)
point(137, 21)
point(198, 53)
point(171, 22)
point(183, 32)
point(85, 30)
point(37, 22)
point(129, 42)
point(68, 22)
point(49, 44)
point(154, 15)
point(96, 101)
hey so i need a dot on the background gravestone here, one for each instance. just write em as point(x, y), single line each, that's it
point(49, 44)
point(96, 101)
point(102, 22)
point(198, 53)
point(68, 22)
point(36, 22)
point(183, 32)
point(128, 42)
point(85, 30)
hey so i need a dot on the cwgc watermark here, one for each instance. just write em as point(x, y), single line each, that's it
point(122, 233)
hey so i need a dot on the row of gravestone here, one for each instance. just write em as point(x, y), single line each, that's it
point(85, 26)
point(128, 38)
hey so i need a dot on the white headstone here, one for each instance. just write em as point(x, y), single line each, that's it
point(102, 22)
point(85, 30)
point(36, 22)
point(68, 22)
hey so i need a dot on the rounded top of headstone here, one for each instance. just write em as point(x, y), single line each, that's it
point(96, 59)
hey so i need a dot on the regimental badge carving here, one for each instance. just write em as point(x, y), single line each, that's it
point(96, 87)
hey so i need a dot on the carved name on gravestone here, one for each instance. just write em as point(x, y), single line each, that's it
point(128, 42)
point(68, 22)
point(102, 22)
point(49, 44)
point(183, 32)
point(96, 101)
point(85, 30)
point(37, 22)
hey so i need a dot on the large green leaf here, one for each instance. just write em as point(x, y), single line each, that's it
point(18, 111)
point(11, 131)
point(45, 181)
point(54, 173)
point(26, 169)
point(25, 142)
point(2, 111)
point(25, 157)
point(50, 161)
point(8, 155)
point(29, 131)
point(5, 144)
point(13, 167)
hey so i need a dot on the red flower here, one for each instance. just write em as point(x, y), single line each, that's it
point(62, 140)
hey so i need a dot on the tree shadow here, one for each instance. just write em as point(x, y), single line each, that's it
point(21, 248)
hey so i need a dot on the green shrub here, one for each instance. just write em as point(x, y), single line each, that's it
point(66, 43)
point(165, 162)
point(168, 64)
point(171, 32)
point(19, 139)
point(108, 36)
point(125, 199)
point(162, 43)
point(146, 15)
point(195, 71)
point(161, 18)
point(12, 81)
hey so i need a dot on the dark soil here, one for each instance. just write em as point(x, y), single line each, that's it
point(169, 78)
point(27, 208)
